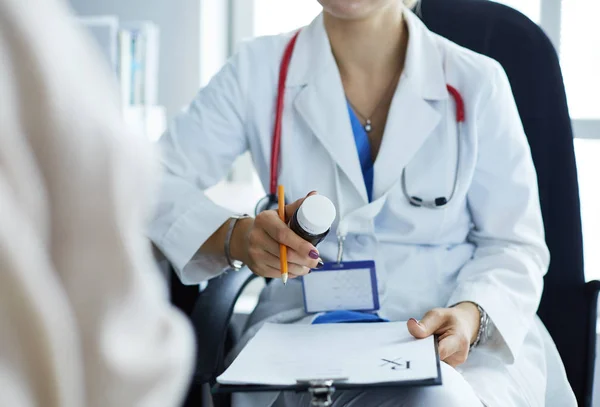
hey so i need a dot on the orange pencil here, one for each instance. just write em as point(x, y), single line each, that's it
point(282, 247)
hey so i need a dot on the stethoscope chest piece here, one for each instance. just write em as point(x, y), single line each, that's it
point(266, 203)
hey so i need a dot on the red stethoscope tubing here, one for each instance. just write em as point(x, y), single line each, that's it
point(283, 71)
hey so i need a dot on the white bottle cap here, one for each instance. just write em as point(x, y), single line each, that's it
point(316, 214)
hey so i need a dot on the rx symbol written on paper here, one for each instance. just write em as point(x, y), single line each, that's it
point(396, 364)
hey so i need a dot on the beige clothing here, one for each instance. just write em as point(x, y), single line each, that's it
point(84, 314)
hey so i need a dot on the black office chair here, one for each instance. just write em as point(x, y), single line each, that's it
point(568, 306)
point(210, 314)
point(532, 66)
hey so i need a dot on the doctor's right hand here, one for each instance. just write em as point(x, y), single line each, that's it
point(255, 242)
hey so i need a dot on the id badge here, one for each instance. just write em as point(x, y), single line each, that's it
point(336, 286)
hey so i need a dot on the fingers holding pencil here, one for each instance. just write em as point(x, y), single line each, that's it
point(282, 247)
point(263, 245)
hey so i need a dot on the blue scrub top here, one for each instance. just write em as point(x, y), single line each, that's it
point(363, 147)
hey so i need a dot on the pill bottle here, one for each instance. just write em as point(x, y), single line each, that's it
point(313, 219)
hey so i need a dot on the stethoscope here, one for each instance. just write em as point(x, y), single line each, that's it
point(270, 200)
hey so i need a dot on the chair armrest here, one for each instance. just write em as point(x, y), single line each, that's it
point(210, 318)
point(592, 289)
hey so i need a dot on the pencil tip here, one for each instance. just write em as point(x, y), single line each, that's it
point(284, 277)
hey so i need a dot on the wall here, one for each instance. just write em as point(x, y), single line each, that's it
point(179, 21)
point(214, 37)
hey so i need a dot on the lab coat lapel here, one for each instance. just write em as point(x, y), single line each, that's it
point(413, 113)
point(410, 121)
point(321, 101)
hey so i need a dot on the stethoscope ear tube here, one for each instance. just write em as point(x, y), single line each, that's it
point(437, 203)
point(442, 201)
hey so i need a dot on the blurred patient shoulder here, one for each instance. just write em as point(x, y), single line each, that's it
point(84, 314)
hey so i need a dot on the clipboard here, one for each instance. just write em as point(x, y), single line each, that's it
point(322, 388)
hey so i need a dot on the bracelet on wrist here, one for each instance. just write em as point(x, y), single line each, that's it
point(482, 333)
point(234, 264)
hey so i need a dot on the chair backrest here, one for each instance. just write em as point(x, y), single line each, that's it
point(532, 66)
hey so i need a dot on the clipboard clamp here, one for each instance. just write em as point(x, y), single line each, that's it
point(321, 390)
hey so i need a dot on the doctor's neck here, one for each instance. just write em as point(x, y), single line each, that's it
point(373, 44)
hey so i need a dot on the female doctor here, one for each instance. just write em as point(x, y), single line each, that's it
point(419, 144)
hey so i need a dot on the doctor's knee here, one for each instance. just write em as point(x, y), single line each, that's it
point(454, 392)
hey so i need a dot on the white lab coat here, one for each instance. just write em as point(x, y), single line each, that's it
point(85, 319)
point(486, 246)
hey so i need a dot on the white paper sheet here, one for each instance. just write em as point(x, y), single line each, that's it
point(366, 353)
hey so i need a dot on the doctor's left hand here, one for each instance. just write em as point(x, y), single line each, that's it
point(457, 328)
